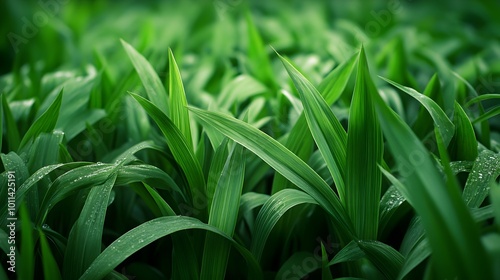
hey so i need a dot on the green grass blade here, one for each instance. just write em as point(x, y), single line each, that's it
point(274, 208)
point(487, 115)
point(326, 274)
point(14, 163)
point(223, 215)
point(50, 268)
point(350, 252)
point(333, 85)
point(485, 127)
point(441, 120)
point(152, 83)
point(258, 59)
point(250, 201)
point(495, 202)
point(464, 144)
point(239, 90)
point(85, 238)
point(26, 269)
point(183, 249)
point(1, 120)
point(283, 161)
point(424, 124)
point(183, 154)
point(216, 169)
point(416, 256)
point(485, 170)
point(300, 141)
point(326, 130)
point(482, 97)
point(389, 208)
point(364, 154)
point(45, 123)
point(70, 182)
point(451, 231)
point(150, 231)
point(178, 110)
point(45, 150)
point(13, 137)
point(385, 258)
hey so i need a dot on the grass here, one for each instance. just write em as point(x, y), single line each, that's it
point(263, 140)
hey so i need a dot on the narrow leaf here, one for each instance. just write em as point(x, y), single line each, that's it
point(152, 83)
point(178, 110)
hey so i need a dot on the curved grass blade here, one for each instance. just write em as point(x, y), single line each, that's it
point(482, 97)
point(364, 154)
point(178, 111)
point(183, 154)
point(326, 130)
point(487, 115)
point(283, 161)
point(485, 127)
point(70, 182)
point(45, 123)
point(223, 215)
point(85, 238)
point(184, 260)
point(450, 228)
point(154, 88)
point(150, 231)
point(423, 124)
point(274, 208)
point(441, 120)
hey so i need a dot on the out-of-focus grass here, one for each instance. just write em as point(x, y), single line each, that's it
point(266, 139)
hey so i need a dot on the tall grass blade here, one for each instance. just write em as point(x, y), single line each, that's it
point(45, 123)
point(464, 144)
point(178, 110)
point(152, 83)
point(364, 154)
point(85, 238)
point(450, 228)
point(183, 154)
point(326, 130)
point(224, 215)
